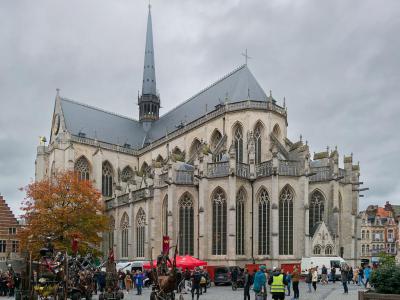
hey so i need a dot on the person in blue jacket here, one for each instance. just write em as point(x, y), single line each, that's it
point(367, 275)
point(260, 282)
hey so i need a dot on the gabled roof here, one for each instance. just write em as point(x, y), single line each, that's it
point(236, 86)
point(104, 126)
point(108, 127)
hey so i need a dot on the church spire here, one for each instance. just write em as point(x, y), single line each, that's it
point(149, 101)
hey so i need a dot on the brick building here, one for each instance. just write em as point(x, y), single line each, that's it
point(9, 244)
point(379, 232)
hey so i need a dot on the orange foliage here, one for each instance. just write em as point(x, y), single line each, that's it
point(63, 208)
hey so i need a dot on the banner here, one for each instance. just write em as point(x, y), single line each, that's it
point(165, 244)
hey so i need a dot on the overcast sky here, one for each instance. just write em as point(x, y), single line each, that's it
point(337, 63)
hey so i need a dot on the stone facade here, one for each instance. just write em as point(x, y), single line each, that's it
point(9, 226)
point(164, 172)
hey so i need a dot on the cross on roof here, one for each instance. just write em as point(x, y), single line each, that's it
point(246, 57)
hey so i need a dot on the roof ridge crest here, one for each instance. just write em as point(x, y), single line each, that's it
point(97, 108)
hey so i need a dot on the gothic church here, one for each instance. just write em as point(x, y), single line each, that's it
point(217, 174)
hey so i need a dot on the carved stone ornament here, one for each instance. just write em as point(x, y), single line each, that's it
point(274, 206)
point(306, 206)
point(335, 209)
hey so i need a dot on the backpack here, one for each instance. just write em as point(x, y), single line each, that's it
point(203, 280)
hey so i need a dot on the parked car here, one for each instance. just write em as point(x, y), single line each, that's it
point(222, 275)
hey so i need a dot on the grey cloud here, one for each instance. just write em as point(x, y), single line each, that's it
point(337, 63)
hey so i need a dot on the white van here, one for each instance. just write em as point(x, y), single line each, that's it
point(318, 261)
point(130, 265)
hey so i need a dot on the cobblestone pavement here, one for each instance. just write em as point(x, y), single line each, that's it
point(329, 292)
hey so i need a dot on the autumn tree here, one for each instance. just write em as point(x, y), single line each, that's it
point(64, 208)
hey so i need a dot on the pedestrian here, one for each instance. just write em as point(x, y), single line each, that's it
point(295, 281)
point(288, 278)
point(355, 275)
point(248, 281)
point(178, 280)
point(333, 274)
point(350, 275)
point(314, 279)
point(121, 279)
point(196, 278)
point(259, 284)
point(277, 282)
point(187, 277)
point(234, 278)
point(345, 278)
point(324, 275)
point(309, 279)
point(128, 281)
point(206, 277)
point(367, 275)
point(139, 282)
point(361, 275)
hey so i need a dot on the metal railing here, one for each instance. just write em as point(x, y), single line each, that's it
point(218, 169)
point(289, 168)
point(242, 170)
point(264, 169)
point(184, 177)
point(322, 174)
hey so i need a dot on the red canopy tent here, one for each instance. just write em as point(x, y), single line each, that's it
point(183, 262)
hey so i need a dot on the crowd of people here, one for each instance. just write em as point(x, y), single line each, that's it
point(9, 280)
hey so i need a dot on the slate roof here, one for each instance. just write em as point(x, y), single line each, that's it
point(108, 127)
point(101, 125)
point(236, 86)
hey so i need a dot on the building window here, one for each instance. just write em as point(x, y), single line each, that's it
point(165, 216)
point(316, 213)
point(317, 250)
point(124, 235)
point(111, 233)
point(363, 250)
point(367, 249)
point(215, 143)
point(219, 222)
point(82, 168)
point(186, 225)
point(12, 231)
point(286, 221)
point(257, 142)
point(263, 223)
point(107, 179)
point(367, 235)
point(127, 174)
point(238, 138)
point(140, 232)
point(14, 246)
point(328, 250)
point(390, 234)
point(362, 234)
point(240, 222)
point(3, 246)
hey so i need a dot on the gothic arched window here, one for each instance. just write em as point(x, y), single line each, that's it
point(140, 232)
point(316, 213)
point(215, 146)
point(240, 221)
point(194, 150)
point(165, 216)
point(82, 168)
point(186, 225)
point(317, 250)
point(219, 222)
point(263, 222)
point(286, 221)
point(124, 235)
point(257, 143)
point(329, 250)
point(107, 180)
point(127, 174)
point(238, 139)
